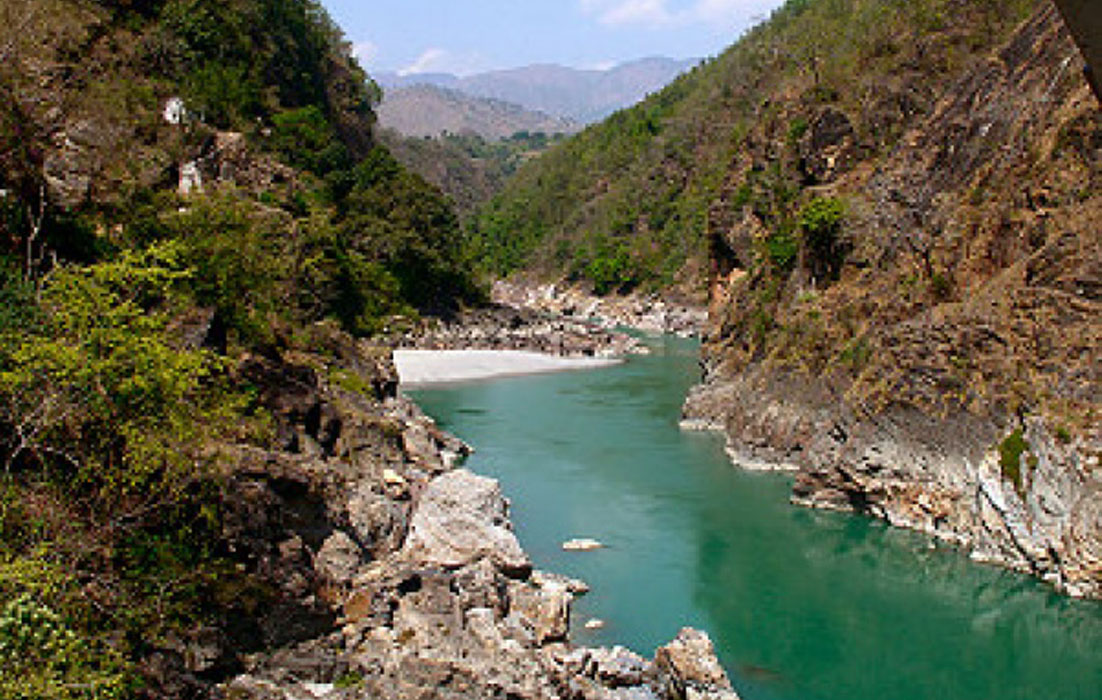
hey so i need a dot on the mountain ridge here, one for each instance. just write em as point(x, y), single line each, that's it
point(429, 110)
point(584, 95)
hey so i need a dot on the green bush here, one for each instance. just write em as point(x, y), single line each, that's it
point(609, 272)
point(307, 139)
point(1010, 458)
point(43, 657)
point(782, 249)
point(241, 260)
point(820, 223)
point(100, 391)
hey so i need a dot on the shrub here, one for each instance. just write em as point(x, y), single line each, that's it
point(1010, 458)
point(941, 286)
point(797, 129)
point(42, 657)
point(307, 140)
point(98, 389)
point(820, 223)
point(241, 261)
point(782, 249)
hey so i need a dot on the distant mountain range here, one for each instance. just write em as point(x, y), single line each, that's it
point(584, 96)
point(429, 110)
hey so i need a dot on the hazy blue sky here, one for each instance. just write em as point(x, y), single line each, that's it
point(467, 36)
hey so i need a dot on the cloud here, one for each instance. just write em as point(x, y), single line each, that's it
point(430, 61)
point(438, 60)
point(602, 65)
point(620, 12)
point(652, 12)
point(365, 52)
point(666, 13)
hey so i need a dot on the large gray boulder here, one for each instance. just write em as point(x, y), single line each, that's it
point(459, 519)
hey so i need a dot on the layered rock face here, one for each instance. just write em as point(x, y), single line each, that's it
point(649, 313)
point(394, 573)
point(521, 327)
point(945, 377)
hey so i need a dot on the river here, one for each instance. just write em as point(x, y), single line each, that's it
point(802, 605)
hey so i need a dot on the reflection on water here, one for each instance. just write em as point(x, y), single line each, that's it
point(802, 604)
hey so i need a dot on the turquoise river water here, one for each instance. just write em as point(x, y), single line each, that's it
point(802, 605)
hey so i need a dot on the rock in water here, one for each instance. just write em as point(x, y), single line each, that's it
point(688, 668)
point(460, 518)
point(546, 610)
point(581, 544)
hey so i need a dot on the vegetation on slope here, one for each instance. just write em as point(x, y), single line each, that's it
point(468, 168)
point(129, 302)
point(627, 201)
point(428, 110)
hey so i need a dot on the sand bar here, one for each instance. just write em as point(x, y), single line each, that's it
point(443, 366)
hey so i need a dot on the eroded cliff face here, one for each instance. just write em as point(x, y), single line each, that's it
point(384, 569)
point(935, 361)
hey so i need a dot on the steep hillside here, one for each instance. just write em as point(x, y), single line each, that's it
point(426, 110)
point(918, 335)
point(468, 169)
point(583, 96)
point(198, 230)
point(626, 202)
point(898, 234)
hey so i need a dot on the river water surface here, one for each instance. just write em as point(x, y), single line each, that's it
point(802, 605)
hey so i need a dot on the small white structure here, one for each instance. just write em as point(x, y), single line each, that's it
point(191, 180)
point(175, 112)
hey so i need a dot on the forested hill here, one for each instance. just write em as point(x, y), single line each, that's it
point(892, 208)
point(276, 123)
point(628, 201)
point(195, 220)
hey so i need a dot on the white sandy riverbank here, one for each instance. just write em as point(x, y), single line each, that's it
point(442, 366)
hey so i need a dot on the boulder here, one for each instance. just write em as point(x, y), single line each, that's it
point(616, 667)
point(339, 558)
point(545, 611)
point(582, 544)
point(688, 668)
point(545, 578)
point(459, 519)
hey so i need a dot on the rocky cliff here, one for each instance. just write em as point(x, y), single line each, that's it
point(393, 572)
point(923, 346)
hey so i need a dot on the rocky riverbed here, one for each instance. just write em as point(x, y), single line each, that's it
point(648, 313)
point(394, 572)
point(505, 327)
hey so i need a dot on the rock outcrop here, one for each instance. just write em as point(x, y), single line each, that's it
point(647, 313)
point(461, 518)
point(946, 378)
point(394, 573)
point(507, 327)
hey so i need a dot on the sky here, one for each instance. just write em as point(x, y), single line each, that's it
point(473, 36)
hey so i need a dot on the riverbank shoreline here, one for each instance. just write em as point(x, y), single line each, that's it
point(418, 368)
point(648, 313)
point(407, 571)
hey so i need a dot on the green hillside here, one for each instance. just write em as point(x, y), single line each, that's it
point(468, 168)
point(627, 201)
point(148, 257)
